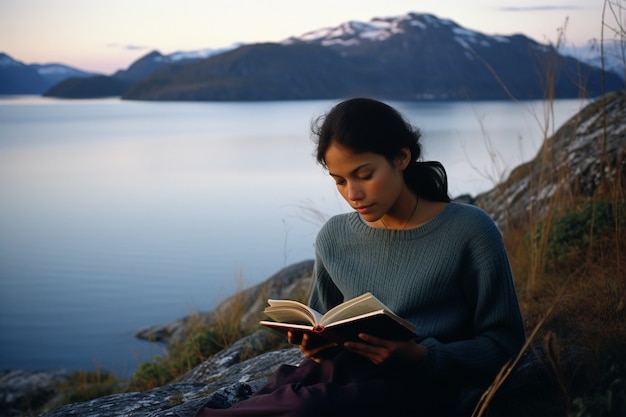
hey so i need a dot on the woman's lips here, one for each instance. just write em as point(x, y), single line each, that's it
point(363, 209)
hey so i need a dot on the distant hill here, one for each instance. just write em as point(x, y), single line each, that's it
point(108, 86)
point(118, 83)
point(411, 57)
point(19, 78)
point(611, 57)
point(266, 71)
point(97, 86)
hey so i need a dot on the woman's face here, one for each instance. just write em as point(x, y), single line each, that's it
point(367, 181)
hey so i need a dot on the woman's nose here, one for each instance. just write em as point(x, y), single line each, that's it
point(355, 193)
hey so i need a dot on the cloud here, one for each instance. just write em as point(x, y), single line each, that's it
point(537, 8)
point(128, 47)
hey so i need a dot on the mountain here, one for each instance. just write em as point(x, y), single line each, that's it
point(108, 86)
point(611, 56)
point(411, 57)
point(118, 83)
point(250, 72)
point(97, 86)
point(19, 78)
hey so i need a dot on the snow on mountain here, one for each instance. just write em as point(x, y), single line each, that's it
point(53, 69)
point(199, 53)
point(19, 78)
point(58, 70)
point(612, 56)
point(418, 25)
point(354, 33)
point(349, 33)
point(380, 29)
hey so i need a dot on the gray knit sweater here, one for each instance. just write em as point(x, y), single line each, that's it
point(450, 277)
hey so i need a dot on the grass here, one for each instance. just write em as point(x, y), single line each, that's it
point(576, 301)
point(203, 338)
point(568, 257)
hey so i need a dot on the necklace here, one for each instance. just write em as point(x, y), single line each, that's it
point(417, 200)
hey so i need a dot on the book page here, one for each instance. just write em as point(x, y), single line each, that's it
point(382, 323)
point(363, 304)
point(289, 311)
point(389, 314)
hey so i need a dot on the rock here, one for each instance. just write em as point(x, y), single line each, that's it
point(221, 380)
point(464, 198)
point(585, 156)
point(23, 389)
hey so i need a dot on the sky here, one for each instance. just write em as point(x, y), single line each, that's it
point(106, 35)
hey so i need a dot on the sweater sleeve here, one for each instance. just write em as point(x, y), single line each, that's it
point(324, 293)
point(498, 331)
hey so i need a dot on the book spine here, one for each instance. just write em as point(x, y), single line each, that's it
point(318, 328)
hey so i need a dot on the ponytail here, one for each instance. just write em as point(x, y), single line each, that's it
point(428, 179)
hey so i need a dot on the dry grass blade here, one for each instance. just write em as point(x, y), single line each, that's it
point(485, 399)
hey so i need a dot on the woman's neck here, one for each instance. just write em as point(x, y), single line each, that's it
point(415, 216)
point(403, 215)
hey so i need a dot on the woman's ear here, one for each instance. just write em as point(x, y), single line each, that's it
point(403, 159)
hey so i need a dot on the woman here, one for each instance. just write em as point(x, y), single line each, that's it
point(439, 264)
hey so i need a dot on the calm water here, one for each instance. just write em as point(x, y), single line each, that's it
point(119, 215)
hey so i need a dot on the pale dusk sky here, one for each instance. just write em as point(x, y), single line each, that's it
point(107, 35)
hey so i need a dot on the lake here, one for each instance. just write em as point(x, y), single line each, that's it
point(118, 215)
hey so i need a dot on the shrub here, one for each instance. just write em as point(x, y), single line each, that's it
point(151, 374)
point(200, 343)
point(88, 385)
point(607, 400)
point(575, 231)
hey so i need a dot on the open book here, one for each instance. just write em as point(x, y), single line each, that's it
point(363, 314)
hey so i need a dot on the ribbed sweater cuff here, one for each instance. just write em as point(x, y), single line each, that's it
point(429, 364)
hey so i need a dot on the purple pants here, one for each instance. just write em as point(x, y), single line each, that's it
point(345, 386)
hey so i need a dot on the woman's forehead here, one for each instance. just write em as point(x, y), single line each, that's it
point(341, 160)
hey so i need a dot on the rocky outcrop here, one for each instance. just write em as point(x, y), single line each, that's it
point(220, 381)
point(223, 380)
point(23, 389)
point(587, 155)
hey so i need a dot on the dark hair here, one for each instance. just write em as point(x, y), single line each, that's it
point(368, 125)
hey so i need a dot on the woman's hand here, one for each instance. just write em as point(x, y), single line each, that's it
point(314, 348)
point(387, 352)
